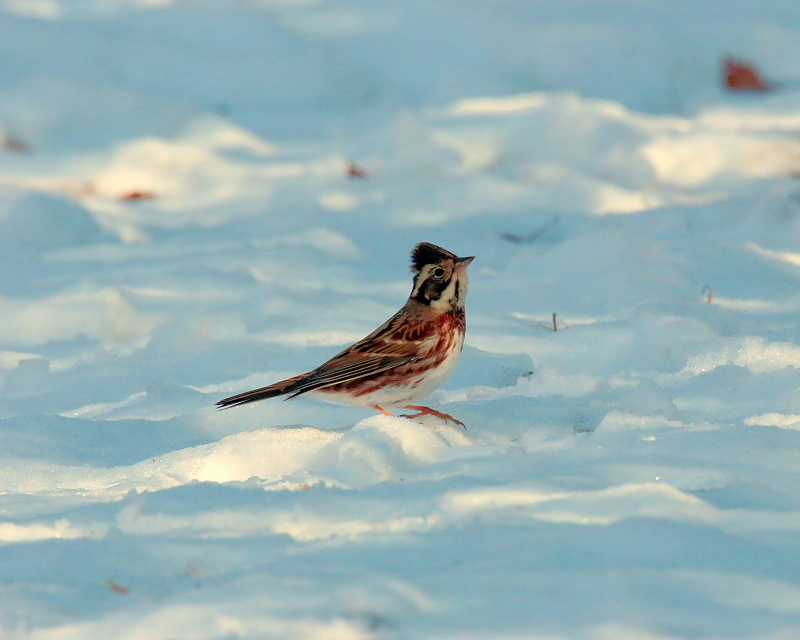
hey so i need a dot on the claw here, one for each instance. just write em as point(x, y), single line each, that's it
point(427, 411)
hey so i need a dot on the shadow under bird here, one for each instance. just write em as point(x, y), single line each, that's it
point(403, 360)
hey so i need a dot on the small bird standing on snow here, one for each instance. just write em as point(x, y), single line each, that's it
point(403, 360)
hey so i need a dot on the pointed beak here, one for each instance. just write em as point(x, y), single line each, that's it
point(463, 263)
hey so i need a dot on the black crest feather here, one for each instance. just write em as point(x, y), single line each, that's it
point(427, 253)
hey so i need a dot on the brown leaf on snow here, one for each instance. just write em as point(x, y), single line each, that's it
point(354, 171)
point(133, 196)
point(742, 76)
point(116, 587)
point(16, 144)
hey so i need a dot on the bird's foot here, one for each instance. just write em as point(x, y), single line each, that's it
point(427, 411)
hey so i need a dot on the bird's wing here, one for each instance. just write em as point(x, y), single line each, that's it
point(394, 343)
point(380, 351)
point(346, 367)
point(277, 389)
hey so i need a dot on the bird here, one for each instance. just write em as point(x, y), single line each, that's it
point(402, 361)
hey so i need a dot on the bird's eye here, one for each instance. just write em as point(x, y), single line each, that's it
point(438, 272)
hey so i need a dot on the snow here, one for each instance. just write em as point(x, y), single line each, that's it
point(200, 197)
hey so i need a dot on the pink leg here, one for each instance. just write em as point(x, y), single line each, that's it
point(427, 411)
point(382, 410)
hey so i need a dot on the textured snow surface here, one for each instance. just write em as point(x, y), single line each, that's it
point(182, 218)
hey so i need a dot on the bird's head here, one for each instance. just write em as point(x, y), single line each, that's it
point(440, 279)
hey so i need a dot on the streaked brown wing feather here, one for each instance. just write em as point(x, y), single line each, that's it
point(398, 336)
point(394, 343)
point(276, 389)
point(346, 370)
point(383, 349)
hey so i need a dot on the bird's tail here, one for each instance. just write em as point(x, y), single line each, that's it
point(278, 389)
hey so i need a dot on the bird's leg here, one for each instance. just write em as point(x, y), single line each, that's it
point(427, 411)
point(383, 411)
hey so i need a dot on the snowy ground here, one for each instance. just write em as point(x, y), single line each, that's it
point(177, 224)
